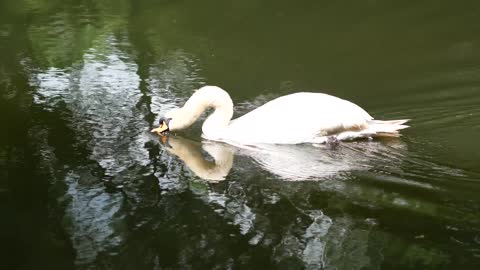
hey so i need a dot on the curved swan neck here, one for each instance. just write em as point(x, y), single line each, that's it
point(209, 97)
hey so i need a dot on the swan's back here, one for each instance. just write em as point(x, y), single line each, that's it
point(298, 118)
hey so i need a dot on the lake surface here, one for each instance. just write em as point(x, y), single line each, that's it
point(84, 185)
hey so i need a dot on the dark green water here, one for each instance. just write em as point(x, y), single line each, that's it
point(84, 185)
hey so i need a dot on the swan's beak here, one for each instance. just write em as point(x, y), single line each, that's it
point(162, 128)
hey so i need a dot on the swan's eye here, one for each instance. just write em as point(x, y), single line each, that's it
point(164, 120)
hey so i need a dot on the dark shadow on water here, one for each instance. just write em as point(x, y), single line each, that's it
point(84, 185)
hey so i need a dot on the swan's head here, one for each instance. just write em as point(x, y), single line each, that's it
point(173, 120)
point(164, 126)
point(203, 98)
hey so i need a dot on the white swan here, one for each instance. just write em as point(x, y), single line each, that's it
point(291, 119)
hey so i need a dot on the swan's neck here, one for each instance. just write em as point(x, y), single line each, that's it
point(210, 97)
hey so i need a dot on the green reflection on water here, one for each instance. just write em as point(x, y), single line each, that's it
point(82, 185)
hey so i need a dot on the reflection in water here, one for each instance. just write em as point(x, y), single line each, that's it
point(323, 237)
point(308, 246)
point(189, 152)
point(127, 202)
point(289, 162)
point(92, 217)
point(106, 103)
point(107, 114)
point(313, 237)
point(172, 75)
point(101, 95)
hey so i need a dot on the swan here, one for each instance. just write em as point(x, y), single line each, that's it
point(302, 117)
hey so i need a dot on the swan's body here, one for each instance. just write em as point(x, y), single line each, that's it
point(291, 119)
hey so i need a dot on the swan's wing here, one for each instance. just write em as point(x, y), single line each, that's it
point(298, 117)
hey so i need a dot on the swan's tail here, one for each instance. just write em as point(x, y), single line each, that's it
point(386, 128)
point(376, 128)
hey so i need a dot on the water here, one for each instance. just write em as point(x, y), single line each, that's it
point(84, 185)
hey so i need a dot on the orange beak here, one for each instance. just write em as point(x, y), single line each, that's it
point(161, 129)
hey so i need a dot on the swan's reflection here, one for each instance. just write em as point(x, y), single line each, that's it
point(313, 237)
point(190, 153)
point(289, 162)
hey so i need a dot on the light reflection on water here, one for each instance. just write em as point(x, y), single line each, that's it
point(175, 74)
point(101, 94)
point(104, 96)
point(303, 206)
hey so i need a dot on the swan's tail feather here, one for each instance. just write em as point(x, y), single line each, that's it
point(376, 128)
point(387, 128)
